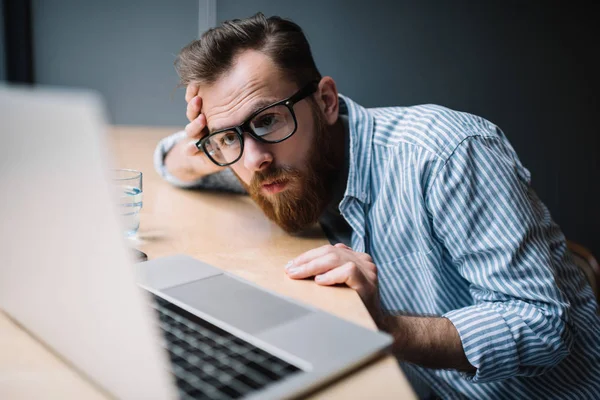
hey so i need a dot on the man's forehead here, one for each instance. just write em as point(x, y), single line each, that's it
point(225, 108)
point(228, 104)
point(252, 83)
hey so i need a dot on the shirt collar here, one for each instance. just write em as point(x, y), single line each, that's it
point(360, 124)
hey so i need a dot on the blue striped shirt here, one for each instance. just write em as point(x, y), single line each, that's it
point(442, 203)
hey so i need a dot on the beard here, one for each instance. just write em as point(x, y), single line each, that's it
point(307, 192)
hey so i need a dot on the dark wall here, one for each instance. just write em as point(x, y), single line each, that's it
point(526, 66)
point(122, 49)
point(2, 66)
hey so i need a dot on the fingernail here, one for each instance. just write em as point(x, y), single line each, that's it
point(289, 264)
point(294, 271)
point(319, 278)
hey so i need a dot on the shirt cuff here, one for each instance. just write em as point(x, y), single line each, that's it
point(164, 146)
point(487, 342)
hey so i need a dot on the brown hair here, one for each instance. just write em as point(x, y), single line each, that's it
point(204, 61)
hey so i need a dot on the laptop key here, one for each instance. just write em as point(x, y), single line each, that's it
point(210, 363)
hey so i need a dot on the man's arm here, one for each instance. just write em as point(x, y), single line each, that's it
point(501, 239)
point(428, 341)
point(431, 342)
point(185, 168)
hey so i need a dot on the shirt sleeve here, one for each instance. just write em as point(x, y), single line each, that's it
point(224, 180)
point(502, 240)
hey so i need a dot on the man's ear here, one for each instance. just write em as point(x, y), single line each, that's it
point(327, 99)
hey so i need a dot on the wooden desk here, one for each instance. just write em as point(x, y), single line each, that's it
point(225, 230)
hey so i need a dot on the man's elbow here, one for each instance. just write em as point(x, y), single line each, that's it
point(548, 351)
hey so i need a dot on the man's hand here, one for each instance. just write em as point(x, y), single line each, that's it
point(339, 264)
point(185, 161)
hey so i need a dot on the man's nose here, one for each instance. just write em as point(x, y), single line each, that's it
point(257, 156)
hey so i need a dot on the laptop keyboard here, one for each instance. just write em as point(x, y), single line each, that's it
point(210, 363)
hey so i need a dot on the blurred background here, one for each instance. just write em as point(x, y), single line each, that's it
point(530, 67)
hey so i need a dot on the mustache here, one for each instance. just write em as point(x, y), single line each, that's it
point(271, 174)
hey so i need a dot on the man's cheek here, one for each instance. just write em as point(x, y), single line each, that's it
point(242, 174)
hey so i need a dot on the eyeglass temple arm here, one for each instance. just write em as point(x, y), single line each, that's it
point(309, 89)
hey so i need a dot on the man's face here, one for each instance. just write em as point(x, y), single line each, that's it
point(288, 180)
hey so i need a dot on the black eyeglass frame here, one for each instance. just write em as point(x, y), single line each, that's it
point(300, 95)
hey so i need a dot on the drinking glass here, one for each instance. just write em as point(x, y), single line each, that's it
point(128, 186)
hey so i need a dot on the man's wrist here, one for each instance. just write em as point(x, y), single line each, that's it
point(179, 165)
point(393, 325)
point(432, 342)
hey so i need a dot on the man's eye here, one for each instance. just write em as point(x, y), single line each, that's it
point(266, 121)
point(228, 139)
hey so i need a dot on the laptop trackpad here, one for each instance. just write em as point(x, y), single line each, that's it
point(239, 304)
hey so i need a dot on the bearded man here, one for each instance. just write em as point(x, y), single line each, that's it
point(430, 213)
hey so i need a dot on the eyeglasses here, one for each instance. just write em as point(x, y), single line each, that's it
point(271, 124)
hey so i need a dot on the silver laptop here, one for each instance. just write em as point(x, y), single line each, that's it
point(161, 329)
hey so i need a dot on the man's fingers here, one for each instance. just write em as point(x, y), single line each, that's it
point(317, 266)
point(342, 246)
point(349, 273)
point(195, 129)
point(193, 108)
point(311, 255)
point(190, 91)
